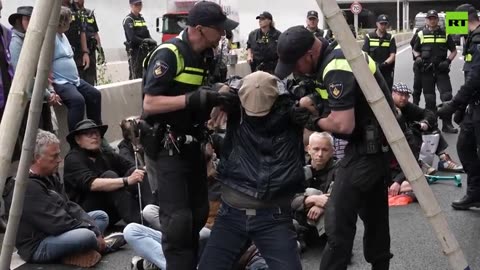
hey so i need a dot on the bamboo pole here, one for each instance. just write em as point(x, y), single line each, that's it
point(41, 82)
point(17, 98)
point(393, 133)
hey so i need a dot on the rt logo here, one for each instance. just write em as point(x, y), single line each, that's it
point(457, 22)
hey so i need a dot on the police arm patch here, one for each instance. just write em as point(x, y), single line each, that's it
point(160, 69)
point(335, 89)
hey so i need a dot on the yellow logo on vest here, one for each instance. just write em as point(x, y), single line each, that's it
point(160, 69)
point(335, 89)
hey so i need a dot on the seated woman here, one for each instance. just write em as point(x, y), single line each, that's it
point(103, 180)
point(75, 93)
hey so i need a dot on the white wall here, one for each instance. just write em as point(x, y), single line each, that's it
point(110, 14)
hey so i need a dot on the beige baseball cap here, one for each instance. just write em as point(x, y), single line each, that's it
point(258, 93)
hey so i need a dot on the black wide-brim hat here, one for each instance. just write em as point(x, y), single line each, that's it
point(21, 11)
point(83, 125)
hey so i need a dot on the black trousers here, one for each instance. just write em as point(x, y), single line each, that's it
point(135, 63)
point(90, 74)
point(359, 190)
point(388, 76)
point(121, 203)
point(467, 145)
point(441, 80)
point(417, 85)
point(182, 196)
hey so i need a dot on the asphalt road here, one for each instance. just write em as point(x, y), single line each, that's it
point(413, 242)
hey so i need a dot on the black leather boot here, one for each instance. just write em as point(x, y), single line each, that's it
point(447, 126)
point(466, 202)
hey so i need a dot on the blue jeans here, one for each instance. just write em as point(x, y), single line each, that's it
point(270, 229)
point(76, 98)
point(54, 248)
point(147, 242)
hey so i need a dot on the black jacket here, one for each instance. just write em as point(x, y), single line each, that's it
point(80, 170)
point(263, 156)
point(320, 181)
point(47, 211)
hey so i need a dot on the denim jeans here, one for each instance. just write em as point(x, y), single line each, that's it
point(147, 242)
point(54, 248)
point(76, 98)
point(271, 230)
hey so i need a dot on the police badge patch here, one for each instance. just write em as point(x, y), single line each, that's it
point(335, 89)
point(160, 69)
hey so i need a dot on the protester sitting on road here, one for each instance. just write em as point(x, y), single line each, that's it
point(103, 180)
point(75, 93)
point(418, 122)
point(310, 205)
point(52, 227)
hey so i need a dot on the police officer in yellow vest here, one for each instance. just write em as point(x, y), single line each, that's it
point(139, 42)
point(176, 107)
point(381, 46)
point(93, 42)
point(430, 51)
point(365, 155)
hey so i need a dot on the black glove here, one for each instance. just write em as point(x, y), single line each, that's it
point(229, 101)
point(384, 66)
point(100, 56)
point(459, 115)
point(149, 41)
point(444, 65)
point(416, 125)
point(202, 99)
point(418, 62)
point(300, 115)
point(446, 109)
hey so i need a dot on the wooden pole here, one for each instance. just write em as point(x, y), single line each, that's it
point(17, 98)
point(393, 133)
point(41, 83)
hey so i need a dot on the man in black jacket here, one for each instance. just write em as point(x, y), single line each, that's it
point(102, 180)
point(418, 122)
point(52, 227)
point(261, 169)
point(309, 206)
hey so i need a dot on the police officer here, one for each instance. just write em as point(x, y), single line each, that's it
point(93, 42)
point(430, 51)
point(381, 46)
point(77, 37)
point(139, 42)
point(350, 118)
point(176, 106)
point(466, 106)
point(262, 44)
point(417, 75)
point(312, 26)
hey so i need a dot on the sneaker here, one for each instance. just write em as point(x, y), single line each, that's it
point(447, 164)
point(85, 260)
point(114, 242)
point(427, 169)
point(139, 263)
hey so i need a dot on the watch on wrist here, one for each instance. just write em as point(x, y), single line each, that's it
point(125, 181)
